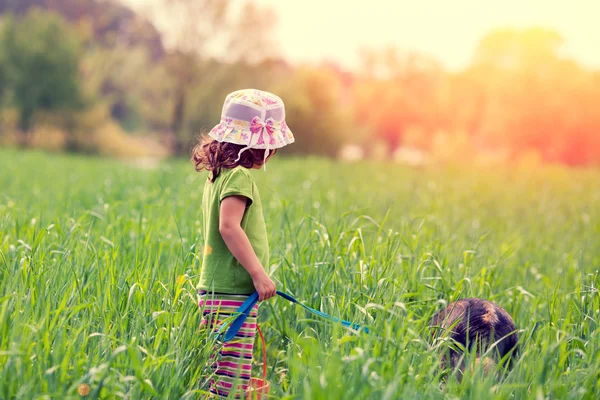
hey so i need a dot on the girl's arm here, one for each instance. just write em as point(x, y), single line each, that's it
point(232, 211)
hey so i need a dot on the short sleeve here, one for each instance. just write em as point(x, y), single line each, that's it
point(238, 183)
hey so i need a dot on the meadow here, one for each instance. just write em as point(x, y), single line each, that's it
point(99, 259)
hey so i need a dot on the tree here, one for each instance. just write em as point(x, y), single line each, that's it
point(2, 82)
point(315, 111)
point(200, 21)
point(203, 26)
point(41, 58)
point(102, 22)
point(2, 69)
point(136, 90)
point(250, 35)
point(397, 94)
point(534, 99)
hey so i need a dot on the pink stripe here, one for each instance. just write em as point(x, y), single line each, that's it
point(226, 303)
point(232, 366)
point(246, 333)
point(226, 385)
point(229, 385)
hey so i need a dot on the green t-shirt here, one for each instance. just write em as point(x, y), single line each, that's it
point(221, 272)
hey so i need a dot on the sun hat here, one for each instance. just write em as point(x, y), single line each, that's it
point(255, 119)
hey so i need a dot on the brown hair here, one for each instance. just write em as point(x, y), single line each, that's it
point(213, 156)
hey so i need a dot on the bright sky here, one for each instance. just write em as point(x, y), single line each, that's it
point(449, 30)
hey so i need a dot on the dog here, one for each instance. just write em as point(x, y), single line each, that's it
point(476, 326)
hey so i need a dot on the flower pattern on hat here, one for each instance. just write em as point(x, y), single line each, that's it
point(255, 119)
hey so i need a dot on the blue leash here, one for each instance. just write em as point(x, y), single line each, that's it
point(244, 311)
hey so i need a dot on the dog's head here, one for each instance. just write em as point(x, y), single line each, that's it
point(476, 325)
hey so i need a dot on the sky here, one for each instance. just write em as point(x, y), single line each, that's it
point(448, 30)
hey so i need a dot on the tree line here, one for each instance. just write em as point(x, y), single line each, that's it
point(94, 76)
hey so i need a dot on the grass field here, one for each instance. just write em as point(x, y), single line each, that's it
point(99, 259)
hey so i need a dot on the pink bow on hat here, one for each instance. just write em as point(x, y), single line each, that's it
point(257, 125)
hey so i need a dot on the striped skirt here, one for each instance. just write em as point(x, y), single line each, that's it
point(233, 363)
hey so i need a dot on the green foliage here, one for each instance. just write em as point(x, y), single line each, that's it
point(515, 100)
point(40, 62)
point(98, 262)
point(314, 111)
point(119, 44)
point(98, 21)
point(245, 37)
point(2, 72)
point(137, 91)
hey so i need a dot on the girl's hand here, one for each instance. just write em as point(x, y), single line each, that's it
point(265, 287)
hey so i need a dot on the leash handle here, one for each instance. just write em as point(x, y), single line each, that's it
point(244, 310)
point(228, 331)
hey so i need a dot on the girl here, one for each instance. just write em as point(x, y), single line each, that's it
point(236, 250)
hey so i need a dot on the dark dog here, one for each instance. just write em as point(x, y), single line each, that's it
point(478, 326)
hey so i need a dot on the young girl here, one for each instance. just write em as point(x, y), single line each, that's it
point(236, 250)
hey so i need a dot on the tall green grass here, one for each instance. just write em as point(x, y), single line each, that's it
point(99, 259)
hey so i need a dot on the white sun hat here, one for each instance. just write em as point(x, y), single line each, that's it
point(254, 119)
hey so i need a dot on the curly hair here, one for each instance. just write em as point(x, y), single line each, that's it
point(213, 156)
